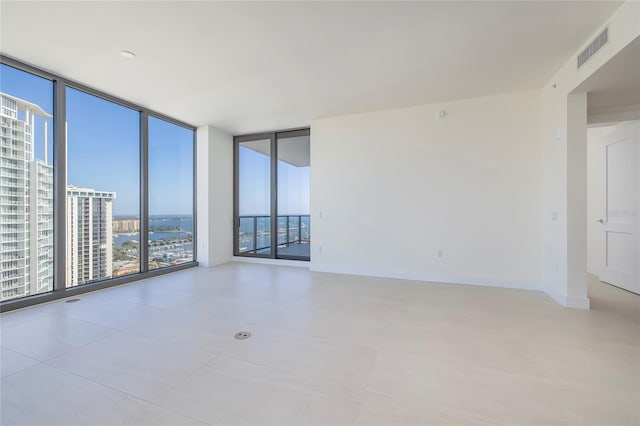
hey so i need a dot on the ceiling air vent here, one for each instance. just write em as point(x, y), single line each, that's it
point(595, 45)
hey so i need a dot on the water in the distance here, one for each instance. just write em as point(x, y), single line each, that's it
point(182, 224)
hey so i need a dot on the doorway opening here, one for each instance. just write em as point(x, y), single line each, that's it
point(613, 172)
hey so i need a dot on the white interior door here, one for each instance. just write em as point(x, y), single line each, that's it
point(621, 216)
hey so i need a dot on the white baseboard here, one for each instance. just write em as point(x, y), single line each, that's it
point(578, 303)
point(435, 277)
point(221, 260)
point(214, 262)
point(278, 262)
point(569, 301)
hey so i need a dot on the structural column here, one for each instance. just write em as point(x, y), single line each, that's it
point(215, 196)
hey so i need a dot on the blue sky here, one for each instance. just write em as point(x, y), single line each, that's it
point(103, 147)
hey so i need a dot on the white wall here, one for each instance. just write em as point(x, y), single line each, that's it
point(565, 176)
point(392, 188)
point(215, 196)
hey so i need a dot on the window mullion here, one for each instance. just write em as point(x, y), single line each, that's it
point(60, 186)
point(144, 191)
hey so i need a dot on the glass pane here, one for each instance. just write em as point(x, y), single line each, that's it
point(254, 192)
point(294, 196)
point(170, 194)
point(26, 184)
point(305, 229)
point(246, 235)
point(103, 192)
point(282, 226)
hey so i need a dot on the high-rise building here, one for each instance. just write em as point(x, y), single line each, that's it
point(26, 202)
point(89, 235)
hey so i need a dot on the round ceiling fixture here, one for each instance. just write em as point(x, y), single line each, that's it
point(128, 54)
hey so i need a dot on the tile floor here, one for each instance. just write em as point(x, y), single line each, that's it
point(326, 350)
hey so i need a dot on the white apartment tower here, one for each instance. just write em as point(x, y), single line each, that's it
point(89, 235)
point(26, 202)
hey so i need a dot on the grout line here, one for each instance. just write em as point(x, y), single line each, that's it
point(138, 398)
point(84, 345)
point(20, 353)
point(22, 369)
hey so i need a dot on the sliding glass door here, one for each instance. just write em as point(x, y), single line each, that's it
point(253, 196)
point(272, 195)
point(294, 233)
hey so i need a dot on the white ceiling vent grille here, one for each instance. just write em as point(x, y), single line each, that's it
point(595, 45)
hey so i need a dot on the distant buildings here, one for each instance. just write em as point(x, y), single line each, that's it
point(26, 211)
point(89, 235)
point(26, 202)
point(126, 226)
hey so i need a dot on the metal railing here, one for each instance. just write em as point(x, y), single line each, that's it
point(291, 229)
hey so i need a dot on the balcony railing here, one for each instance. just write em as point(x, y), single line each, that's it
point(254, 235)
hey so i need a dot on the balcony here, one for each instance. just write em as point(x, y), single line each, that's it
point(294, 235)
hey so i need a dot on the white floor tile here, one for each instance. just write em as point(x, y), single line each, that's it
point(102, 310)
point(301, 353)
point(227, 393)
point(48, 336)
point(12, 362)
point(137, 365)
point(43, 395)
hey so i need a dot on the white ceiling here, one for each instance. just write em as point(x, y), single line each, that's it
point(616, 83)
point(248, 67)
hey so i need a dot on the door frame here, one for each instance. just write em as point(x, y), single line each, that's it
point(273, 184)
point(237, 140)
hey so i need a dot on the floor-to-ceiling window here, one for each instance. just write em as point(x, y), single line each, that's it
point(170, 230)
point(103, 189)
point(116, 205)
point(272, 195)
point(26, 184)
